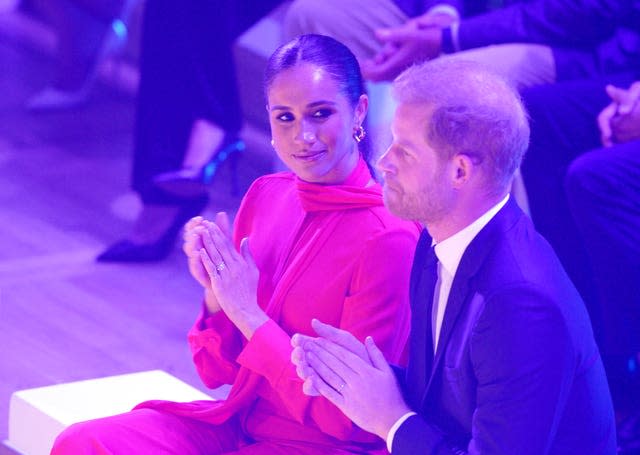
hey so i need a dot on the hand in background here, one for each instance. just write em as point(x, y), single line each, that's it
point(233, 278)
point(353, 376)
point(619, 122)
point(401, 47)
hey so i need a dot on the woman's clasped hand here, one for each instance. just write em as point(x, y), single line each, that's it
point(230, 278)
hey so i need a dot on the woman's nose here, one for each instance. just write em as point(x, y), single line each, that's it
point(306, 133)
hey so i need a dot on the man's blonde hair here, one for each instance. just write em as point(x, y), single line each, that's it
point(474, 112)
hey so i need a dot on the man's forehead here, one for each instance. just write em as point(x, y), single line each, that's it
point(413, 109)
point(412, 115)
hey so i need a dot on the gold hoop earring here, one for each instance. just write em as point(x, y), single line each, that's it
point(359, 134)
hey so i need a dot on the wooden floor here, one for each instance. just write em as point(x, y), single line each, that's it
point(64, 196)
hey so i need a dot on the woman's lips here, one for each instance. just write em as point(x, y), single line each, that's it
point(310, 156)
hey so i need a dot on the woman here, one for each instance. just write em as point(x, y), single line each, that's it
point(315, 242)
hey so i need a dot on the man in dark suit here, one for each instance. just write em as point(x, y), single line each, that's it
point(354, 22)
point(531, 42)
point(584, 38)
point(502, 354)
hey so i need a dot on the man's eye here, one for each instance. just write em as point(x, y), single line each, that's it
point(402, 153)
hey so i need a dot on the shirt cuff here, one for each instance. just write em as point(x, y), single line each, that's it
point(443, 8)
point(450, 41)
point(394, 428)
point(455, 40)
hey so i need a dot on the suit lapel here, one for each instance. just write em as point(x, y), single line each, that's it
point(462, 288)
point(421, 346)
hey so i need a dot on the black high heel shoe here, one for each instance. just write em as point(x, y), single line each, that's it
point(190, 181)
point(127, 251)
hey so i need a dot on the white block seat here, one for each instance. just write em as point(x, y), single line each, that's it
point(37, 416)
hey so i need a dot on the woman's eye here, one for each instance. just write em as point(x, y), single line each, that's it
point(285, 117)
point(322, 113)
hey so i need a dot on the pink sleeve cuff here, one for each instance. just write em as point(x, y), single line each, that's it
point(268, 353)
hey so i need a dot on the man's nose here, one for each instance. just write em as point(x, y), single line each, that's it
point(383, 162)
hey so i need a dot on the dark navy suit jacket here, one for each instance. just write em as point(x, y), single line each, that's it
point(517, 370)
point(588, 37)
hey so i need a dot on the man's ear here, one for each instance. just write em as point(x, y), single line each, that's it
point(462, 170)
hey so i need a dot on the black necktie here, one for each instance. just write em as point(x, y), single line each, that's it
point(421, 341)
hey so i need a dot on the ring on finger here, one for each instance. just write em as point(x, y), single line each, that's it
point(220, 267)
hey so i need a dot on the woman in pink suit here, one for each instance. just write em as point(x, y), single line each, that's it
point(316, 242)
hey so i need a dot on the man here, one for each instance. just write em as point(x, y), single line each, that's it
point(502, 354)
point(529, 42)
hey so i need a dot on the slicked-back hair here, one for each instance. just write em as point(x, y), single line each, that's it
point(473, 111)
point(327, 53)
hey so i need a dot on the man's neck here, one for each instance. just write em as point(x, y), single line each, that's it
point(460, 217)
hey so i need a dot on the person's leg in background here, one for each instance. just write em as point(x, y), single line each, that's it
point(351, 22)
point(164, 115)
point(85, 35)
point(187, 105)
point(563, 125)
point(603, 190)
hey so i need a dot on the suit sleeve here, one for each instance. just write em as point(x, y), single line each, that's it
point(523, 358)
point(377, 305)
point(558, 23)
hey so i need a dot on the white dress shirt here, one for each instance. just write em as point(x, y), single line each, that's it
point(449, 253)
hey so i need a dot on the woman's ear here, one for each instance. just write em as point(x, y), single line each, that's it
point(361, 109)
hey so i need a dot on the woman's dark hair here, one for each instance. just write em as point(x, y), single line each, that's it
point(327, 53)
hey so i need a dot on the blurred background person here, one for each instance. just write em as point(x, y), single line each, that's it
point(87, 31)
point(529, 42)
point(188, 116)
point(585, 157)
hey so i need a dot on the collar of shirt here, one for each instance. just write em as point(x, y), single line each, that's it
point(449, 253)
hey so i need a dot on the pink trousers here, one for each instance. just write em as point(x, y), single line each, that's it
point(147, 431)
